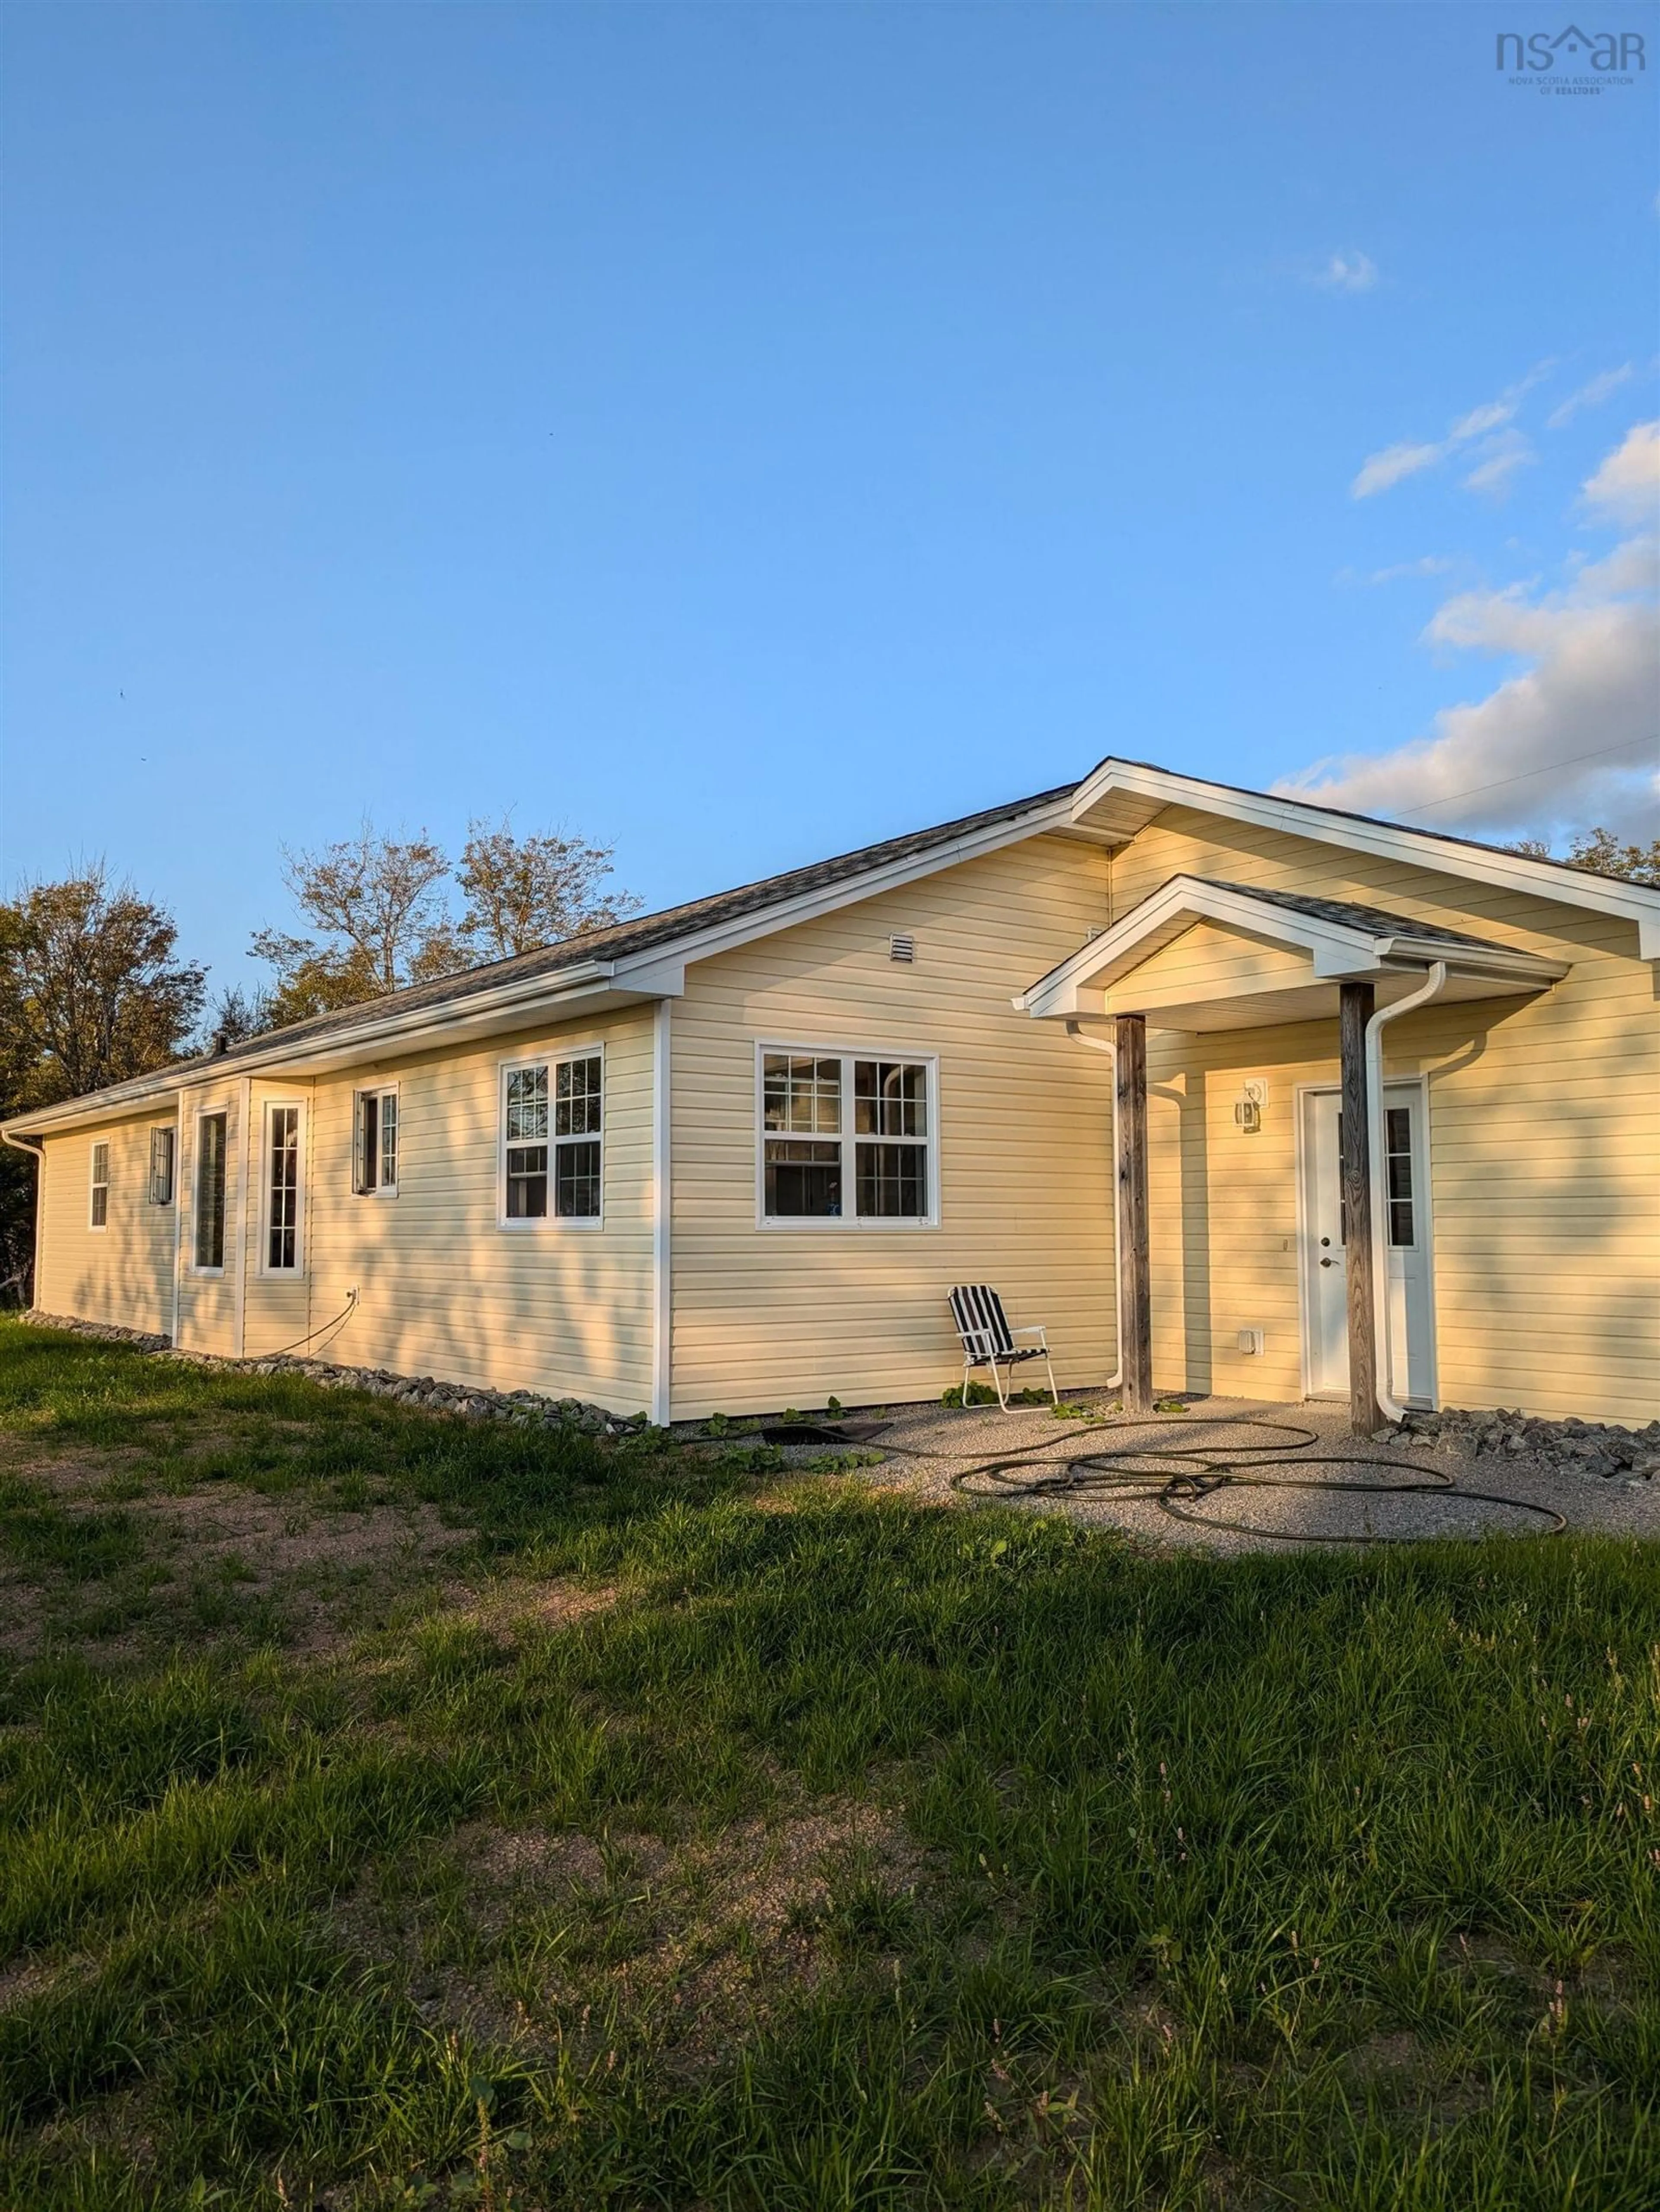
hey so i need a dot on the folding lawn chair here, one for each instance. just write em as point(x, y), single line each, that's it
point(987, 1339)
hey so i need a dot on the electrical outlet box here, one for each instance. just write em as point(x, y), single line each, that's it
point(1250, 1341)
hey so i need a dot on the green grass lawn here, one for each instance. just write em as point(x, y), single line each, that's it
point(397, 1813)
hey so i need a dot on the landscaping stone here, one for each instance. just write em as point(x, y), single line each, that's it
point(425, 1394)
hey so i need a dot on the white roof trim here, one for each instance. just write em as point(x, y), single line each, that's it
point(1155, 787)
point(1340, 951)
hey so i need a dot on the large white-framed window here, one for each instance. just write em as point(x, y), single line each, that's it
point(98, 1204)
point(212, 1145)
point(552, 1139)
point(163, 1165)
point(846, 1139)
point(374, 1142)
point(283, 1248)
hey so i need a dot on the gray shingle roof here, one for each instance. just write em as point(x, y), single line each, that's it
point(1371, 918)
point(642, 933)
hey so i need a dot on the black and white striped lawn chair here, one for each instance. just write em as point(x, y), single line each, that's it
point(987, 1339)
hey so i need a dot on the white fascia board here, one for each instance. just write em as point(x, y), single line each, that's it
point(851, 891)
point(1298, 818)
point(1337, 951)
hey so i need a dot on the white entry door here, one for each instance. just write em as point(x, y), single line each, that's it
point(1410, 1374)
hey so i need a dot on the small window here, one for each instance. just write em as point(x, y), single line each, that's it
point(807, 1136)
point(1398, 1123)
point(100, 1185)
point(282, 1189)
point(210, 1192)
point(375, 1144)
point(162, 1142)
point(552, 1139)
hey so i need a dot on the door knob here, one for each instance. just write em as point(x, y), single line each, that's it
point(1329, 1263)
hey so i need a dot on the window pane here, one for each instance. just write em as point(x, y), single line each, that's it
point(890, 1098)
point(576, 1102)
point(283, 1224)
point(577, 1191)
point(527, 1104)
point(1398, 1123)
point(210, 1192)
point(801, 1095)
point(893, 1181)
point(802, 1179)
point(161, 1149)
point(389, 1141)
point(369, 1140)
point(527, 1182)
point(100, 1185)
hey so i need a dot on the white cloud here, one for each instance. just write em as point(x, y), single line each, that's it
point(1379, 471)
point(1428, 564)
point(1567, 740)
point(1348, 272)
point(1501, 457)
point(1627, 486)
point(1590, 395)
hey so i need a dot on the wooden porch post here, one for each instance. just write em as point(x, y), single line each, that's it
point(1354, 1012)
point(1134, 1281)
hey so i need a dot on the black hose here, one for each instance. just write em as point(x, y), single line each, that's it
point(1187, 1472)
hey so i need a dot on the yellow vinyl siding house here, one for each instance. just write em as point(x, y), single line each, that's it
point(733, 1156)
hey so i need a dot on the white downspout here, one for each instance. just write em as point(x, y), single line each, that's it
point(177, 1206)
point(1391, 1409)
point(1079, 1035)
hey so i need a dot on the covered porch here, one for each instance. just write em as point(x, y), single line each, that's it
point(1345, 1183)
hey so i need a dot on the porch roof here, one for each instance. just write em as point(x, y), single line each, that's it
point(1293, 951)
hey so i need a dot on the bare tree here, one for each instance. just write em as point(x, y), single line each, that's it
point(376, 903)
point(524, 893)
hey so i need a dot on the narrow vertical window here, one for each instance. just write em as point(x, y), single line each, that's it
point(210, 1191)
point(577, 1109)
point(891, 1123)
point(100, 1185)
point(525, 1134)
point(375, 1143)
point(282, 1210)
point(1397, 1124)
point(161, 1166)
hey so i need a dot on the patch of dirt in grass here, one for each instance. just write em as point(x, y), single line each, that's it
point(693, 1943)
point(322, 1571)
point(1385, 2056)
point(511, 1602)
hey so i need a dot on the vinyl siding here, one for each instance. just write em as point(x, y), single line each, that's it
point(121, 1274)
point(1544, 1134)
point(555, 1306)
point(775, 1316)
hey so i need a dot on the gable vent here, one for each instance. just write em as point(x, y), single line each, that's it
point(903, 948)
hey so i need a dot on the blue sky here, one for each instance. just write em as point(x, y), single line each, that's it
point(742, 433)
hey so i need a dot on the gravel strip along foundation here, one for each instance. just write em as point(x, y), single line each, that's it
point(1237, 1475)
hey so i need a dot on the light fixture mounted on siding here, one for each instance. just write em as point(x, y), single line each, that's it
point(902, 946)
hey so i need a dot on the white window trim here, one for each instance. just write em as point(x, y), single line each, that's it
point(293, 1274)
point(208, 1114)
point(549, 1058)
point(96, 1228)
point(850, 1221)
point(166, 1129)
point(374, 1090)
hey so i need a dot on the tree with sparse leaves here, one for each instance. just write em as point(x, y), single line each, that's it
point(376, 903)
point(525, 893)
point(1602, 853)
point(382, 920)
point(91, 992)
